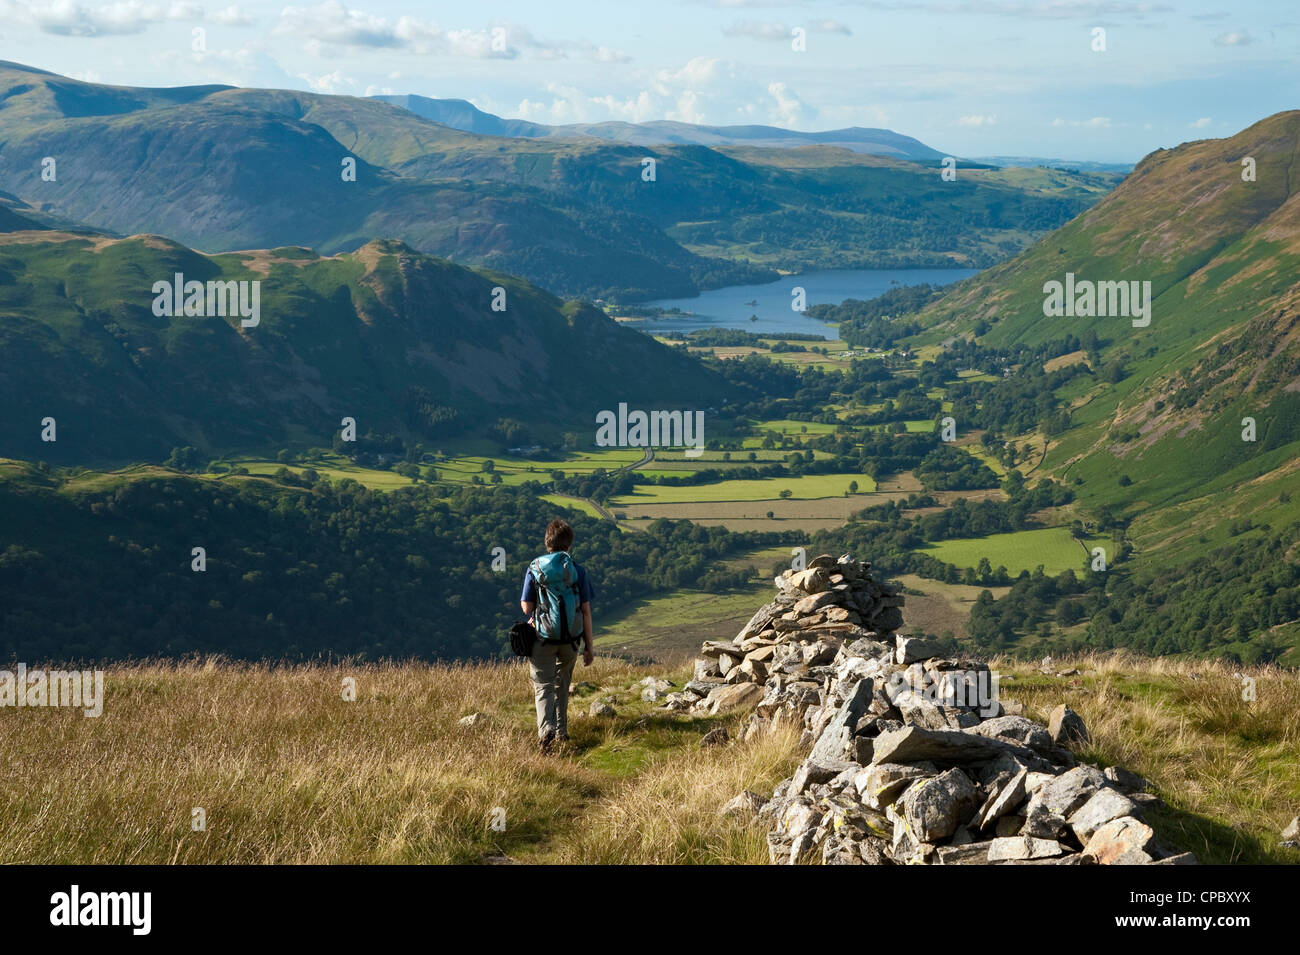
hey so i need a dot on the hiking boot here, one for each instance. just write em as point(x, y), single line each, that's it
point(546, 743)
point(561, 737)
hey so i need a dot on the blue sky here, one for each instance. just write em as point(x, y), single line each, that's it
point(969, 77)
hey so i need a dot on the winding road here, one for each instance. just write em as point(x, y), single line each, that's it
point(645, 459)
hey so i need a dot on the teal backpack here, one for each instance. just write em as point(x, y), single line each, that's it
point(558, 618)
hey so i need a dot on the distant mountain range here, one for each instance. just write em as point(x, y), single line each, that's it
point(1080, 165)
point(461, 114)
point(220, 168)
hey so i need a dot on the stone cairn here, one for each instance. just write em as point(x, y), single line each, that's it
point(911, 757)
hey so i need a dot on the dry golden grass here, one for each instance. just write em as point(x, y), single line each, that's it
point(1227, 768)
point(669, 813)
point(288, 772)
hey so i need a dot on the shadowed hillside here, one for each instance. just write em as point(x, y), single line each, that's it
point(397, 340)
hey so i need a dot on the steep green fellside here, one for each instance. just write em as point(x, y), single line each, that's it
point(1223, 344)
point(377, 335)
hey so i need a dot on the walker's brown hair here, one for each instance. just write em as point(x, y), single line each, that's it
point(559, 535)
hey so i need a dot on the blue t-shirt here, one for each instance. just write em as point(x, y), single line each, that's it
point(585, 592)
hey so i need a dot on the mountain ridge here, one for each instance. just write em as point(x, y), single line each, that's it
point(403, 342)
point(224, 168)
point(464, 115)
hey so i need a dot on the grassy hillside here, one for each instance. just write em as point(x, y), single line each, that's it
point(286, 771)
point(1151, 430)
point(402, 342)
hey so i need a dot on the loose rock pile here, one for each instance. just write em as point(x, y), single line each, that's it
point(912, 758)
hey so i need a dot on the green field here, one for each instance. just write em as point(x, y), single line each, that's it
point(662, 472)
point(459, 469)
point(572, 503)
point(992, 463)
point(334, 467)
point(804, 488)
point(1052, 547)
point(786, 426)
point(673, 457)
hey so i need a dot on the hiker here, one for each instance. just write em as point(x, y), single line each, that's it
point(557, 588)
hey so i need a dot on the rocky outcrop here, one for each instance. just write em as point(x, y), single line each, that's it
point(911, 758)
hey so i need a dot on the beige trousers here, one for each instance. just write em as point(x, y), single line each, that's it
point(551, 667)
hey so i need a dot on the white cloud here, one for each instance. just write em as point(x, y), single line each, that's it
point(1019, 9)
point(686, 94)
point(333, 24)
point(1234, 38)
point(771, 30)
point(698, 71)
point(69, 18)
point(1097, 122)
point(1201, 123)
point(248, 66)
point(789, 111)
point(571, 105)
point(830, 26)
point(72, 18)
point(522, 38)
point(976, 119)
point(231, 16)
point(757, 30)
point(334, 82)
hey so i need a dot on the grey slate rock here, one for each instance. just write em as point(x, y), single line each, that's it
point(880, 784)
point(1123, 841)
point(1067, 792)
point(833, 744)
point(1104, 806)
point(975, 853)
point(933, 808)
point(913, 649)
point(1017, 729)
point(747, 803)
point(1024, 847)
point(1067, 728)
point(1124, 780)
point(1001, 801)
point(912, 743)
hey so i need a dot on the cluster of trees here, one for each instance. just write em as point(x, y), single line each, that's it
point(1217, 604)
point(735, 337)
point(1033, 602)
point(510, 433)
point(879, 322)
point(427, 416)
point(296, 573)
point(1011, 405)
point(965, 518)
point(951, 469)
point(908, 405)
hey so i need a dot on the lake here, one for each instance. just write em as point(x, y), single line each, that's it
point(728, 307)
